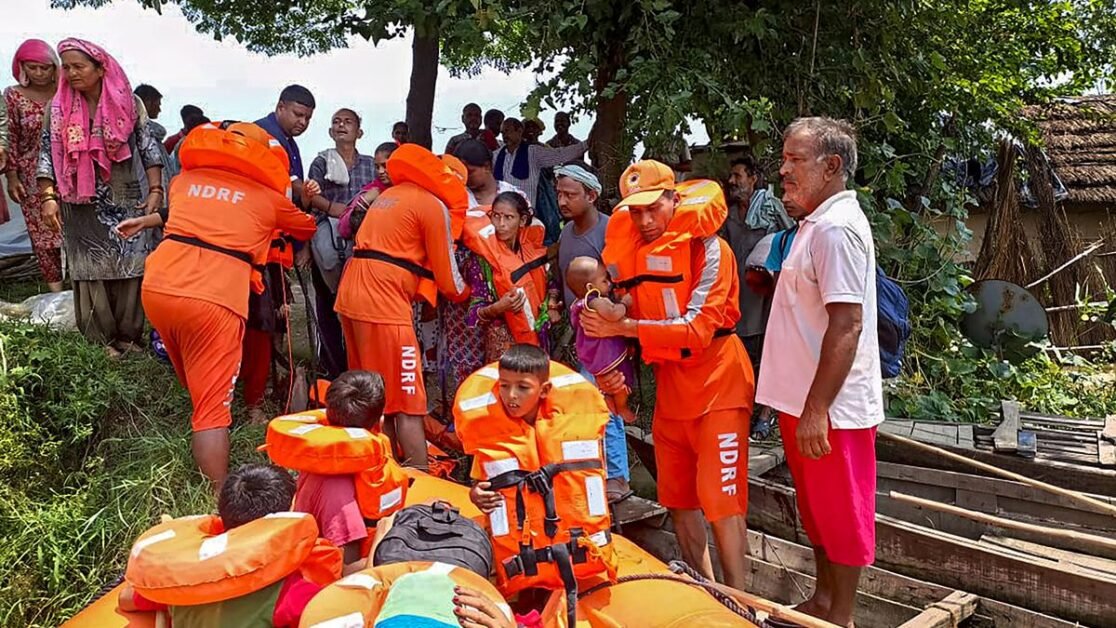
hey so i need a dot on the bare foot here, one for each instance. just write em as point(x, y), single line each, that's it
point(814, 608)
point(113, 353)
point(257, 416)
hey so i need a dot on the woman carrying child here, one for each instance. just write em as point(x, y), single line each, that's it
point(507, 277)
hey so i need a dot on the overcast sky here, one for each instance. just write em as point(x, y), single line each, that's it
point(228, 82)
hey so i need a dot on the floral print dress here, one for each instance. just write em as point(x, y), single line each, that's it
point(25, 125)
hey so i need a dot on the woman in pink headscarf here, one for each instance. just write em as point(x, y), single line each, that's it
point(35, 69)
point(88, 184)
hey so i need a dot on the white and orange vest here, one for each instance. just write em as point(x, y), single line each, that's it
point(658, 275)
point(525, 270)
point(193, 560)
point(357, 599)
point(306, 442)
point(553, 527)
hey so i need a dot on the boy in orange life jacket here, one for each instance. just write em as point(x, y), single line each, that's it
point(524, 383)
point(249, 493)
point(354, 399)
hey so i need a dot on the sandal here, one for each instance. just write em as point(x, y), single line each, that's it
point(617, 490)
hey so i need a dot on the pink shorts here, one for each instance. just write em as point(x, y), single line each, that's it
point(836, 494)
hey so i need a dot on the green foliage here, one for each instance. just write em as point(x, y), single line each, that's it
point(92, 452)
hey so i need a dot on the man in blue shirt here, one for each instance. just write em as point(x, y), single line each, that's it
point(288, 121)
point(267, 312)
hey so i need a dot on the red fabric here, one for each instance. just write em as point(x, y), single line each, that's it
point(489, 139)
point(171, 142)
point(332, 501)
point(703, 463)
point(255, 365)
point(836, 494)
point(203, 343)
point(295, 594)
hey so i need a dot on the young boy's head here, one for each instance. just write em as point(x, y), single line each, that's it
point(524, 381)
point(356, 399)
point(253, 491)
point(585, 273)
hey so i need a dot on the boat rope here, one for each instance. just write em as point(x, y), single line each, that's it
point(683, 573)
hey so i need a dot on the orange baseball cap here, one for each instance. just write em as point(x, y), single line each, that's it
point(644, 182)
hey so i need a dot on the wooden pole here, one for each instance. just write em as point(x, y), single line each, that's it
point(1099, 544)
point(771, 608)
point(947, 613)
point(1094, 504)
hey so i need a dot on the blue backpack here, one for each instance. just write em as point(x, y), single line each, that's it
point(892, 323)
point(893, 326)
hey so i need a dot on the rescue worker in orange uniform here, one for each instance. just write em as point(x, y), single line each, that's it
point(662, 247)
point(224, 209)
point(403, 251)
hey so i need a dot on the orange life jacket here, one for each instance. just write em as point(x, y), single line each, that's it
point(357, 599)
point(194, 560)
point(411, 163)
point(306, 442)
point(525, 270)
point(243, 148)
point(553, 527)
point(658, 275)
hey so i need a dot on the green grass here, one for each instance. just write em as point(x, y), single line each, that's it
point(92, 452)
point(17, 291)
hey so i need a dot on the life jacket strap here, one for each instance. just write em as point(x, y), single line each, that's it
point(563, 555)
point(202, 244)
point(720, 333)
point(405, 264)
point(518, 273)
point(541, 482)
point(631, 282)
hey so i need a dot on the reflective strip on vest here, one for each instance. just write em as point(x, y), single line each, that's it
point(712, 254)
point(458, 282)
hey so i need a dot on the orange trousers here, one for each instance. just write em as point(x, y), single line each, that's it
point(392, 351)
point(203, 342)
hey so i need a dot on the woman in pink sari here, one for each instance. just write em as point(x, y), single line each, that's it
point(88, 183)
point(35, 69)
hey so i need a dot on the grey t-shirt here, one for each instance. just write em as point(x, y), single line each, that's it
point(571, 245)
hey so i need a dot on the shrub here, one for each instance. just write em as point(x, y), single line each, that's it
point(92, 452)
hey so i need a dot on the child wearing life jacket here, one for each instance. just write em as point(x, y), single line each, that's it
point(536, 431)
point(588, 280)
point(251, 493)
point(354, 400)
point(524, 384)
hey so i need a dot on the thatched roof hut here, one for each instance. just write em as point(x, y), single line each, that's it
point(1080, 138)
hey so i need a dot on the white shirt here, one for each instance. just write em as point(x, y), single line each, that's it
point(501, 187)
point(539, 156)
point(832, 260)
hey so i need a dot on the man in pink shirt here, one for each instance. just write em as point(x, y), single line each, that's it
point(355, 399)
point(821, 366)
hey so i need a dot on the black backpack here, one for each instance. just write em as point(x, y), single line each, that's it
point(436, 533)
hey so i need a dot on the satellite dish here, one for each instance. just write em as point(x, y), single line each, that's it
point(1007, 319)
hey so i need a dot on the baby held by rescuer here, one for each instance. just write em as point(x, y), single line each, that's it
point(588, 280)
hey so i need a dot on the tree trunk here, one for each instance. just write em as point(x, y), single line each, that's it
point(611, 151)
point(424, 76)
